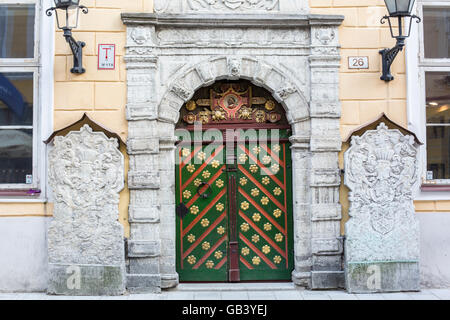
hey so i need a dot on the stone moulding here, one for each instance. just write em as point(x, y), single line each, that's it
point(290, 55)
point(382, 235)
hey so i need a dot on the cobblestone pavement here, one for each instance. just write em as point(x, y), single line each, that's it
point(260, 291)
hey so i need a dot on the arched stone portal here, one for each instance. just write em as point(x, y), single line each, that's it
point(296, 58)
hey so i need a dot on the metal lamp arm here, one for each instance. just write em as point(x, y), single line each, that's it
point(77, 51)
point(389, 55)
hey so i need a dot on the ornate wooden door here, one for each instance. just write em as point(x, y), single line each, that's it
point(234, 197)
point(265, 211)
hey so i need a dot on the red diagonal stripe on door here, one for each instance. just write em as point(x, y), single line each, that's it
point(259, 231)
point(267, 171)
point(221, 263)
point(268, 217)
point(204, 211)
point(267, 193)
point(204, 235)
point(245, 263)
point(256, 250)
point(215, 176)
point(197, 172)
point(206, 256)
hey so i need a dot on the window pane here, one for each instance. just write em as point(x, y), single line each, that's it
point(436, 25)
point(438, 151)
point(16, 152)
point(17, 31)
point(438, 97)
point(16, 98)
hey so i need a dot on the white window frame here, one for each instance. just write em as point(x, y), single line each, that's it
point(417, 65)
point(42, 67)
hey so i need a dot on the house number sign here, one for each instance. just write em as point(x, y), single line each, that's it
point(358, 62)
point(106, 56)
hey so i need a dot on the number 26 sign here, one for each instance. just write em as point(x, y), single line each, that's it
point(358, 62)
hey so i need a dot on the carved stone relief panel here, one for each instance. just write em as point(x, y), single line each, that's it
point(85, 239)
point(381, 168)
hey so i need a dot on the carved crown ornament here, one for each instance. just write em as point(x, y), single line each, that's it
point(231, 103)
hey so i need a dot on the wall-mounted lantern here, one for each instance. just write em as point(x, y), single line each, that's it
point(400, 9)
point(67, 14)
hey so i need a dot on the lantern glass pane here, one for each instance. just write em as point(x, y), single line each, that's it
point(391, 6)
point(67, 18)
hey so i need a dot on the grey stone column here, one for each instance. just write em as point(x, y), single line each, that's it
point(325, 108)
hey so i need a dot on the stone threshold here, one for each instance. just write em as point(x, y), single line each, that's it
point(265, 286)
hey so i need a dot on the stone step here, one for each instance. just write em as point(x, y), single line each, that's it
point(266, 286)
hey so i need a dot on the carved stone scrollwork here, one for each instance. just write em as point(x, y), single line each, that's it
point(86, 175)
point(381, 169)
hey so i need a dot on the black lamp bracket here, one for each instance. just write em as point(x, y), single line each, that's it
point(75, 46)
point(389, 55)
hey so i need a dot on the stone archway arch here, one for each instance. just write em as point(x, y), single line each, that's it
point(168, 57)
point(261, 73)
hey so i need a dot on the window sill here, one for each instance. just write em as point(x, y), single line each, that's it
point(435, 187)
point(28, 193)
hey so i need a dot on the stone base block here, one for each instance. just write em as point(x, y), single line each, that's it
point(321, 280)
point(86, 280)
point(143, 283)
point(392, 276)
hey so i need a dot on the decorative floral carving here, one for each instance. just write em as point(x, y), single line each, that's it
point(233, 5)
point(381, 168)
point(325, 36)
point(86, 175)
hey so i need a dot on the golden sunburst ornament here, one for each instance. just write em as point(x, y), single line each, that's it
point(191, 105)
point(191, 259)
point(201, 156)
point(190, 168)
point(245, 227)
point(185, 152)
point(218, 254)
point(264, 201)
point(191, 238)
point(209, 264)
point(215, 164)
point(197, 182)
point(220, 207)
point(194, 210)
point(275, 168)
point(279, 237)
point(267, 227)
point(266, 249)
point(206, 245)
point(245, 205)
point(256, 261)
point(266, 159)
point(206, 174)
point(219, 183)
point(187, 194)
point(245, 251)
point(277, 213)
point(220, 230)
point(243, 157)
point(277, 191)
point(270, 105)
point(256, 217)
point(255, 192)
point(204, 223)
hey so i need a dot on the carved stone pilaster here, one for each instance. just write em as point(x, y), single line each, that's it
point(85, 240)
